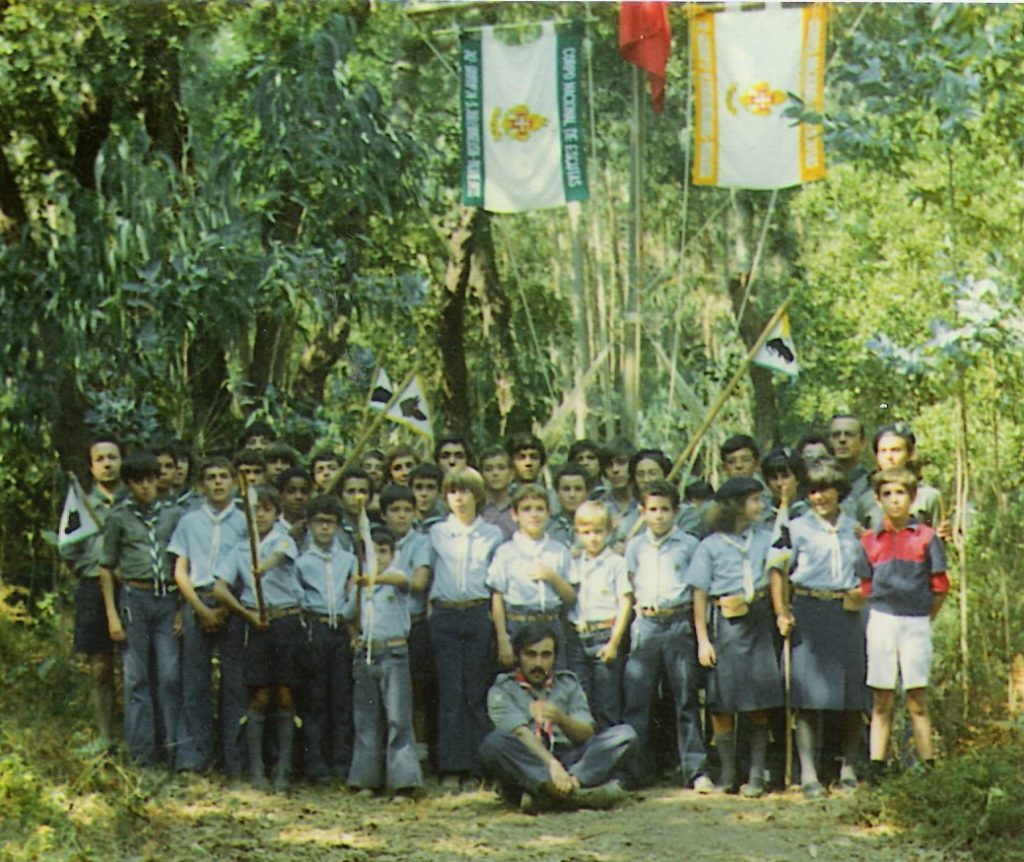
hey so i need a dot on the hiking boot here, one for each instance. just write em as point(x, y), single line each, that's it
point(703, 785)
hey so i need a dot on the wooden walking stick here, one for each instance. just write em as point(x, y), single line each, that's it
point(248, 502)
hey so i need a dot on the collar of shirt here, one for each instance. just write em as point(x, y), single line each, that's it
point(218, 516)
point(887, 527)
point(456, 528)
point(528, 547)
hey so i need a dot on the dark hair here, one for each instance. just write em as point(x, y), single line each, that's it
point(655, 455)
point(897, 429)
point(698, 490)
point(250, 456)
point(571, 469)
point(814, 437)
point(895, 476)
point(382, 536)
point(376, 454)
point(397, 452)
point(350, 473)
point(218, 461)
point(101, 437)
point(266, 493)
point(583, 445)
point(390, 494)
point(737, 442)
point(426, 470)
point(661, 488)
point(494, 452)
point(533, 633)
point(281, 451)
point(860, 425)
point(782, 460)
point(530, 491)
point(323, 455)
point(522, 440)
point(827, 473)
point(139, 466)
point(165, 447)
point(292, 473)
point(620, 448)
point(325, 504)
point(256, 429)
point(447, 440)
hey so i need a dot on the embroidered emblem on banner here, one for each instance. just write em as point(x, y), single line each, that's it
point(517, 123)
point(759, 99)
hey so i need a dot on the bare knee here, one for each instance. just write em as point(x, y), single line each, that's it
point(283, 698)
point(917, 701)
point(721, 722)
point(882, 701)
point(259, 699)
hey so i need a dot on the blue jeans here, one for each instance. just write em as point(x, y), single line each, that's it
point(233, 695)
point(385, 748)
point(463, 641)
point(602, 681)
point(326, 702)
point(664, 644)
point(152, 682)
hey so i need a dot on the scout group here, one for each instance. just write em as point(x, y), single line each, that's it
point(554, 639)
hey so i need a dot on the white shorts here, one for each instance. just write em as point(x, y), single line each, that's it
point(898, 644)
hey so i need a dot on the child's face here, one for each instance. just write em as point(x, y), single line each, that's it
point(647, 470)
point(571, 490)
point(275, 467)
point(426, 493)
point(143, 490)
point(527, 463)
point(497, 473)
point(265, 516)
point(385, 554)
point(617, 473)
point(324, 472)
point(592, 537)
point(825, 502)
point(892, 452)
point(589, 461)
point(461, 503)
point(658, 514)
point(783, 485)
point(374, 467)
point(254, 474)
point(257, 442)
point(168, 470)
point(324, 528)
point(294, 496)
point(399, 516)
point(181, 473)
point(400, 469)
point(218, 486)
point(355, 495)
point(740, 463)
point(531, 515)
point(452, 456)
point(753, 509)
point(105, 463)
point(895, 501)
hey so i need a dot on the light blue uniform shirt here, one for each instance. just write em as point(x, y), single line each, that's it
point(824, 555)
point(717, 564)
point(600, 582)
point(324, 576)
point(281, 585)
point(509, 572)
point(461, 555)
point(411, 552)
point(658, 568)
point(384, 614)
point(207, 538)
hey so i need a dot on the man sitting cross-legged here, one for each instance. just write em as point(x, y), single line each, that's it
point(544, 743)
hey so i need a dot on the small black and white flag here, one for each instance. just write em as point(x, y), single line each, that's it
point(76, 521)
point(410, 408)
point(779, 352)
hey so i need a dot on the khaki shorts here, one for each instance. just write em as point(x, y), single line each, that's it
point(898, 646)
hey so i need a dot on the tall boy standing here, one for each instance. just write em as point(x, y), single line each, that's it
point(903, 571)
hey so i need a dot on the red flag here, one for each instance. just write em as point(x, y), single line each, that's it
point(645, 41)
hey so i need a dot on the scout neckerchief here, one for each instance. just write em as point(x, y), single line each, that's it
point(834, 551)
point(149, 519)
point(532, 550)
point(657, 542)
point(463, 532)
point(216, 518)
point(543, 730)
point(327, 558)
point(748, 569)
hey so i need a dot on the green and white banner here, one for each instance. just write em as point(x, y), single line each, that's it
point(522, 121)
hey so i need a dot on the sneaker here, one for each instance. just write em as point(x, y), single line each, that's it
point(814, 790)
point(703, 785)
point(606, 795)
point(752, 790)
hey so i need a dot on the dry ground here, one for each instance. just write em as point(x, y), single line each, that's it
point(196, 819)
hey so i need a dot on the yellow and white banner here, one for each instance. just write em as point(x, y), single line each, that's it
point(744, 66)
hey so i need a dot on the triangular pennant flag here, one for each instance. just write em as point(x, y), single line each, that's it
point(779, 352)
point(522, 120)
point(382, 391)
point(76, 522)
point(411, 409)
point(745, 65)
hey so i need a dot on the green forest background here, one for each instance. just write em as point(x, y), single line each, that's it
point(212, 212)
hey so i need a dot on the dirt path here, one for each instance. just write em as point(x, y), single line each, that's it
point(203, 820)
